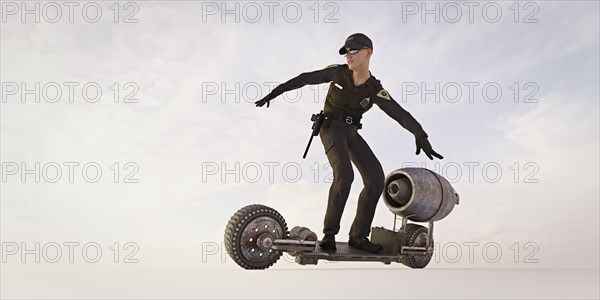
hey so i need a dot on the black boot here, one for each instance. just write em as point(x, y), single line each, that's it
point(364, 244)
point(328, 242)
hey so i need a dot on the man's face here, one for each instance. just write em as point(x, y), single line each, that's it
point(358, 60)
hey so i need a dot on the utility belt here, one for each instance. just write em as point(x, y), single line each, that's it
point(350, 120)
point(323, 120)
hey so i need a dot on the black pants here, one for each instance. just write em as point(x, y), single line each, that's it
point(344, 145)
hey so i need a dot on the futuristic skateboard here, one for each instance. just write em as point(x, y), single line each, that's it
point(256, 235)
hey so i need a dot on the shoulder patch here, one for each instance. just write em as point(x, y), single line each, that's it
point(331, 66)
point(384, 94)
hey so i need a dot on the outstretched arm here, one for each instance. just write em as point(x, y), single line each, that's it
point(315, 77)
point(385, 101)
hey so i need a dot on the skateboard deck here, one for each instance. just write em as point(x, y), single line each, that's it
point(345, 252)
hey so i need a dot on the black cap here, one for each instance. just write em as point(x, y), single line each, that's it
point(356, 41)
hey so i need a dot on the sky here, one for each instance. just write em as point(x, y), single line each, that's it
point(129, 128)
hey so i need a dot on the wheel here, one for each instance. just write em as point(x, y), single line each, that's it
point(249, 236)
point(416, 236)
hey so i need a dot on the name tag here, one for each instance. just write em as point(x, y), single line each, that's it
point(338, 86)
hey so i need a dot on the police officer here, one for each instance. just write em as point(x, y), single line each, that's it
point(352, 92)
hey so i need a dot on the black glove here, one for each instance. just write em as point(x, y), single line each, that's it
point(264, 100)
point(423, 143)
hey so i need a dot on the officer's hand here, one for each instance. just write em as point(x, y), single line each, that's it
point(423, 143)
point(264, 100)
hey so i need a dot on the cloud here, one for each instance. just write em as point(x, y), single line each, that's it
point(175, 129)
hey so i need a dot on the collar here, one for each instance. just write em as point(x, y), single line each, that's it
point(366, 84)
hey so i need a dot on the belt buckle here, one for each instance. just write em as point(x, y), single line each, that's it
point(349, 120)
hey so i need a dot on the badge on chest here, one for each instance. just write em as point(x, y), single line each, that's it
point(365, 102)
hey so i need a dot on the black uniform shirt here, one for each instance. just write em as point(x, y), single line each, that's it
point(346, 99)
